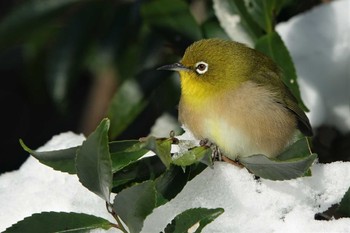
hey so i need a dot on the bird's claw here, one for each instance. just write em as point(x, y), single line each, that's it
point(216, 155)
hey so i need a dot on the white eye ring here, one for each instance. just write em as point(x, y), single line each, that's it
point(201, 67)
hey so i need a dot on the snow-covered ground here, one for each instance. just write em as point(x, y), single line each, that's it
point(319, 43)
point(250, 205)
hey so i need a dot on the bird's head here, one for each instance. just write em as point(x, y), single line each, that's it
point(212, 65)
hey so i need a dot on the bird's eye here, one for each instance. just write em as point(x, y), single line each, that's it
point(201, 67)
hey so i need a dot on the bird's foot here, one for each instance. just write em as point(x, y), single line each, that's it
point(205, 142)
point(216, 155)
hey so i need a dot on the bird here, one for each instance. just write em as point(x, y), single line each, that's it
point(234, 97)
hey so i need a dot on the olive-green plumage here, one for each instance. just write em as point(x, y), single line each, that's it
point(234, 96)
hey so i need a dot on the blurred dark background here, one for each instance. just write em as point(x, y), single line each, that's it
point(64, 65)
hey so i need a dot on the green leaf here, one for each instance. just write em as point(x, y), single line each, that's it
point(173, 180)
point(134, 204)
point(122, 154)
point(59, 222)
point(127, 104)
point(272, 45)
point(191, 156)
point(173, 19)
point(148, 168)
point(123, 145)
point(193, 220)
point(344, 205)
point(60, 160)
point(161, 147)
point(29, 16)
point(274, 169)
point(93, 162)
point(125, 153)
point(123, 159)
point(171, 183)
point(196, 169)
point(298, 149)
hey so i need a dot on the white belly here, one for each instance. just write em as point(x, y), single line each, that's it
point(233, 142)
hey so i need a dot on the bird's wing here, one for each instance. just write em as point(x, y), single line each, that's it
point(303, 122)
point(273, 81)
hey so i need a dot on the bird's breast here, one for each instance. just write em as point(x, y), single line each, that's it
point(241, 122)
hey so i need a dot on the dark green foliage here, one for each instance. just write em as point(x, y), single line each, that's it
point(93, 162)
point(194, 219)
point(61, 160)
point(344, 205)
point(59, 222)
point(142, 184)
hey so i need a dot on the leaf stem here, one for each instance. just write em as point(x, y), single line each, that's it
point(119, 224)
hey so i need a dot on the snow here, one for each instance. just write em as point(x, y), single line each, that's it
point(250, 205)
point(261, 206)
point(36, 188)
point(319, 43)
point(319, 46)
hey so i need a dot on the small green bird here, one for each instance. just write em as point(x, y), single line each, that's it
point(234, 97)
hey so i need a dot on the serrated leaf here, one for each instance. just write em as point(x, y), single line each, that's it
point(176, 24)
point(93, 162)
point(134, 204)
point(59, 222)
point(191, 156)
point(148, 168)
point(125, 153)
point(161, 147)
point(344, 205)
point(273, 46)
point(193, 220)
point(274, 169)
point(123, 159)
point(64, 160)
point(60, 160)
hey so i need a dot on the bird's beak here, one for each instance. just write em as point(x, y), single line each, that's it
point(174, 67)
